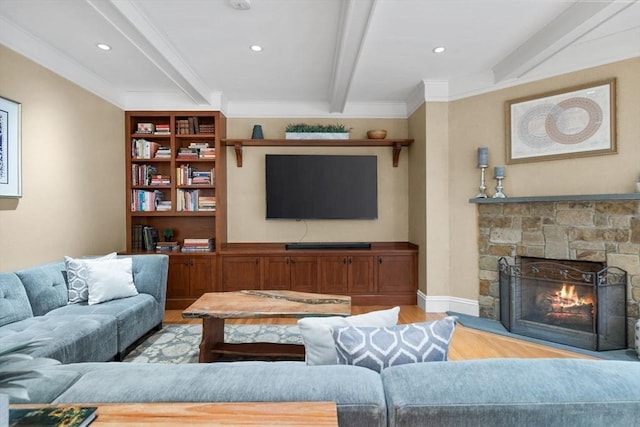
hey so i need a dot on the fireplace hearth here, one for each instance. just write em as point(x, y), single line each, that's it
point(577, 303)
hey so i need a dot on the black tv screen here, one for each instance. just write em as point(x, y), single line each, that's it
point(321, 187)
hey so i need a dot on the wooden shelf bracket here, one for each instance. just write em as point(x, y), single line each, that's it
point(238, 148)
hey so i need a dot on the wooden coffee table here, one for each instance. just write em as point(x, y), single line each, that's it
point(214, 307)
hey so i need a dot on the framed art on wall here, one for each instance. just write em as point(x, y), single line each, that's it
point(10, 158)
point(578, 121)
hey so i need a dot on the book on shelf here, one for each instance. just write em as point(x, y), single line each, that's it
point(150, 238)
point(136, 237)
point(68, 416)
point(144, 149)
point(146, 200)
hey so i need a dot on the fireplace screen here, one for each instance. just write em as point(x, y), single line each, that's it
point(582, 304)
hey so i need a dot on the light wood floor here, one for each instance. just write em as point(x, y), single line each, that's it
point(467, 343)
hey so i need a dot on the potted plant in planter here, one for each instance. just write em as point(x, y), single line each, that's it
point(305, 131)
point(17, 366)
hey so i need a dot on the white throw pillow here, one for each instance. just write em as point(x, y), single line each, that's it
point(77, 277)
point(319, 347)
point(110, 279)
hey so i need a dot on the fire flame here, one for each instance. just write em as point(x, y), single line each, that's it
point(568, 297)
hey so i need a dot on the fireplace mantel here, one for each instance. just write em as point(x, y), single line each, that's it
point(542, 199)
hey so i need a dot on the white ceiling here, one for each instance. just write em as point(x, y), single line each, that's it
point(359, 58)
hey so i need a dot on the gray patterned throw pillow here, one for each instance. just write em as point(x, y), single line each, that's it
point(77, 277)
point(379, 348)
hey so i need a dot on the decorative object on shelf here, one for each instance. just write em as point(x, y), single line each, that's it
point(499, 175)
point(10, 162)
point(305, 131)
point(567, 123)
point(483, 163)
point(257, 132)
point(377, 134)
point(167, 234)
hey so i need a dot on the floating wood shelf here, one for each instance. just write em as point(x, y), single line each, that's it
point(396, 144)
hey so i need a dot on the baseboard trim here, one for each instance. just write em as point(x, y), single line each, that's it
point(442, 304)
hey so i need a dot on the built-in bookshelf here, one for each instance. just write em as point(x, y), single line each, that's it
point(175, 187)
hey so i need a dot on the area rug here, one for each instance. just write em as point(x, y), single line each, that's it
point(179, 343)
point(495, 327)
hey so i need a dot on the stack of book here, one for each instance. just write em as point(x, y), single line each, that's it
point(207, 153)
point(163, 153)
point(206, 203)
point(198, 245)
point(167, 247)
point(136, 237)
point(162, 129)
point(160, 180)
point(145, 128)
point(187, 153)
point(143, 149)
point(163, 206)
point(206, 128)
point(201, 177)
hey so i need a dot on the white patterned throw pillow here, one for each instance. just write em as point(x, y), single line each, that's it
point(77, 277)
point(380, 348)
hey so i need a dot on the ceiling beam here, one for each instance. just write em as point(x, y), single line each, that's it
point(354, 24)
point(133, 25)
point(576, 21)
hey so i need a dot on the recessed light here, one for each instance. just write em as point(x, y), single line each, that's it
point(103, 46)
point(256, 48)
point(439, 49)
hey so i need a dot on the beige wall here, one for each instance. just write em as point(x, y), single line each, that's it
point(480, 121)
point(246, 193)
point(418, 190)
point(72, 170)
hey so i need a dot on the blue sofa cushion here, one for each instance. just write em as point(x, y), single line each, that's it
point(14, 303)
point(514, 392)
point(45, 286)
point(47, 387)
point(134, 315)
point(91, 338)
point(357, 391)
point(380, 348)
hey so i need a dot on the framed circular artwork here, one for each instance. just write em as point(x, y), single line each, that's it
point(579, 121)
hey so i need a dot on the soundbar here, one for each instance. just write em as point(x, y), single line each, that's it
point(330, 245)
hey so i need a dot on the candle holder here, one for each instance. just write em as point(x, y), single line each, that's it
point(499, 194)
point(482, 193)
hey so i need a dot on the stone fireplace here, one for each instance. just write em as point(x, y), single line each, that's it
point(598, 228)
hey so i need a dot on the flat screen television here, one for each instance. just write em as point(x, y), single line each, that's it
point(321, 186)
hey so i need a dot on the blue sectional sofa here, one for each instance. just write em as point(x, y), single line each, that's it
point(488, 392)
point(34, 304)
